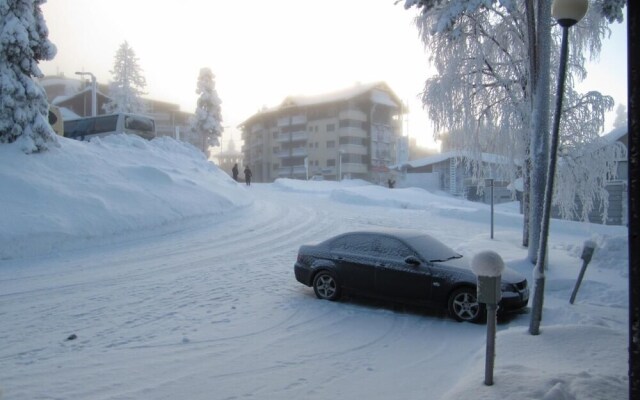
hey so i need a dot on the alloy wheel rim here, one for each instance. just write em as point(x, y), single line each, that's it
point(466, 306)
point(326, 286)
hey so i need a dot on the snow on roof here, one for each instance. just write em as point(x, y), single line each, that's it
point(437, 158)
point(616, 134)
point(381, 94)
point(62, 99)
point(344, 94)
point(68, 114)
point(71, 84)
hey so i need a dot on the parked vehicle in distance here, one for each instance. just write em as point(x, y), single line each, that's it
point(103, 125)
point(401, 265)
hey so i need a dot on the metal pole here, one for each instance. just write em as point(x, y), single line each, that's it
point(491, 182)
point(538, 296)
point(579, 282)
point(491, 344)
point(94, 97)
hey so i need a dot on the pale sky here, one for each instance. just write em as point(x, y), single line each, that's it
point(262, 51)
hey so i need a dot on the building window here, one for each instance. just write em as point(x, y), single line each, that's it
point(331, 144)
point(331, 162)
point(276, 166)
point(331, 127)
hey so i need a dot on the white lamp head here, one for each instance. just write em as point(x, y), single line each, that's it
point(569, 12)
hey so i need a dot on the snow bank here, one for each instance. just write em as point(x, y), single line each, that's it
point(112, 185)
point(563, 362)
point(316, 187)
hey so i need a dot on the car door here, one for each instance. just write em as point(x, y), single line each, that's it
point(353, 257)
point(395, 278)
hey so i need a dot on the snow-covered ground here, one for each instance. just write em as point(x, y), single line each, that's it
point(178, 284)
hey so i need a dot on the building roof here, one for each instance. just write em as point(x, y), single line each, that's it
point(616, 134)
point(437, 158)
point(62, 99)
point(383, 95)
point(342, 95)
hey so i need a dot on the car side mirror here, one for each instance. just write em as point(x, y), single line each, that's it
point(412, 260)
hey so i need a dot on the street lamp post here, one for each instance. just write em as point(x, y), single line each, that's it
point(93, 92)
point(567, 13)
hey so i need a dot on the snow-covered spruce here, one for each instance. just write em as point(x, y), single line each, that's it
point(23, 103)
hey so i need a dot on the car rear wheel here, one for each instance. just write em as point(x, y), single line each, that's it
point(464, 306)
point(326, 287)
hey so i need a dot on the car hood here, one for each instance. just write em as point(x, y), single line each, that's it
point(462, 264)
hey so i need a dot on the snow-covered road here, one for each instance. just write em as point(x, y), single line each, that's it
point(205, 305)
point(212, 310)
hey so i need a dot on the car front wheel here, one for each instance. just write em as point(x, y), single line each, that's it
point(464, 306)
point(326, 287)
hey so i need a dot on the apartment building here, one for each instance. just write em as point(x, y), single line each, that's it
point(352, 133)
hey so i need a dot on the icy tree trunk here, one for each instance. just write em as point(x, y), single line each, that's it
point(539, 125)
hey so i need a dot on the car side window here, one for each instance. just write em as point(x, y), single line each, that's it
point(393, 248)
point(355, 244)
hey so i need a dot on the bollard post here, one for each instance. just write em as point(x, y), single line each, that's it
point(488, 267)
point(587, 254)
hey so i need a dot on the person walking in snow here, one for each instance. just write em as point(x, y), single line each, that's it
point(235, 172)
point(247, 175)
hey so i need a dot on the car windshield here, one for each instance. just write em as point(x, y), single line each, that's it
point(430, 248)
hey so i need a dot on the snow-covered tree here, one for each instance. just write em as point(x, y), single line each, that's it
point(23, 102)
point(495, 68)
point(621, 117)
point(128, 83)
point(207, 121)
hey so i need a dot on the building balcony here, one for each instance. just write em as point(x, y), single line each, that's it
point(353, 132)
point(298, 120)
point(292, 120)
point(359, 149)
point(295, 152)
point(299, 152)
point(299, 169)
point(299, 135)
point(291, 171)
point(354, 168)
point(355, 115)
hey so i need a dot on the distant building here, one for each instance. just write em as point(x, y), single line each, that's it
point(351, 133)
point(73, 97)
point(226, 159)
point(448, 172)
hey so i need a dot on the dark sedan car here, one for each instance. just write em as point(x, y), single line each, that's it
point(401, 265)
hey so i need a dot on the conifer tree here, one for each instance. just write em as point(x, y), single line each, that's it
point(206, 123)
point(23, 102)
point(128, 83)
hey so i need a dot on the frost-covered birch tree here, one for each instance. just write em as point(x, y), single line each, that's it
point(23, 102)
point(495, 62)
point(207, 121)
point(128, 83)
